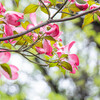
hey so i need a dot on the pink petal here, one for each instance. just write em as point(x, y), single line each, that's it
point(4, 57)
point(74, 59)
point(19, 15)
point(8, 30)
point(33, 18)
point(82, 6)
point(47, 47)
point(40, 50)
point(69, 46)
point(14, 71)
point(19, 29)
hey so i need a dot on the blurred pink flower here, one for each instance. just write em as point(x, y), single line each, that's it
point(4, 58)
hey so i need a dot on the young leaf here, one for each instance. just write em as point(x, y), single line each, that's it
point(53, 2)
point(64, 56)
point(88, 19)
point(43, 9)
point(17, 2)
point(64, 14)
point(73, 8)
point(52, 64)
point(66, 65)
point(30, 8)
point(25, 24)
point(6, 68)
point(50, 38)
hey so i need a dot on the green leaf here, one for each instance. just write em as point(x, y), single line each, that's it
point(25, 24)
point(50, 38)
point(17, 2)
point(88, 19)
point(53, 2)
point(64, 56)
point(43, 9)
point(66, 65)
point(30, 8)
point(81, 1)
point(73, 8)
point(64, 14)
point(6, 68)
point(37, 30)
point(52, 64)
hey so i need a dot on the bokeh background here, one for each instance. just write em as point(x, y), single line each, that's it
point(43, 83)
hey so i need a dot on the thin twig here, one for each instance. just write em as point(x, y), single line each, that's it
point(33, 61)
point(59, 9)
point(41, 58)
point(45, 8)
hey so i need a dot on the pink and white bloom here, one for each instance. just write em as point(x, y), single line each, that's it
point(12, 17)
point(53, 30)
point(72, 58)
point(4, 58)
point(82, 6)
point(47, 49)
point(2, 9)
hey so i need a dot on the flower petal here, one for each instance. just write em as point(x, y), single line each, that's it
point(4, 57)
point(33, 18)
point(40, 50)
point(47, 47)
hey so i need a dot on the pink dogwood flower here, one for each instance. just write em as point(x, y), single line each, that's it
point(53, 30)
point(12, 17)
point(72, 58)
point(4, 58)
point(2, 9)
point(47, 49)
point(82, 6)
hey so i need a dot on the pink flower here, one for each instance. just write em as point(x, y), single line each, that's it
point(4, 58)
point(47, 49)
point(2, 9)
point(12, 17)
point(72, 58)
point(82, 6)
point(53, 30)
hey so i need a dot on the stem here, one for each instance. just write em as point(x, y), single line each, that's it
point(45, 8)
point(59, 9)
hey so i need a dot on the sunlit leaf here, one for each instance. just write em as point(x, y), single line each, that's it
point(30, 8)
point(50, 38)
point(88, 19)
point(66, 65)
point(6, 68)
point(43, 9)
point(73, 8)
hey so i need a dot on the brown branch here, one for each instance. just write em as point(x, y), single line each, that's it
point(47, 22)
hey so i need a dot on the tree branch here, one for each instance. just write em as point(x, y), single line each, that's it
point(47, 22)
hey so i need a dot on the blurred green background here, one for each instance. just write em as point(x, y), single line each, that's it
point(40, 83)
